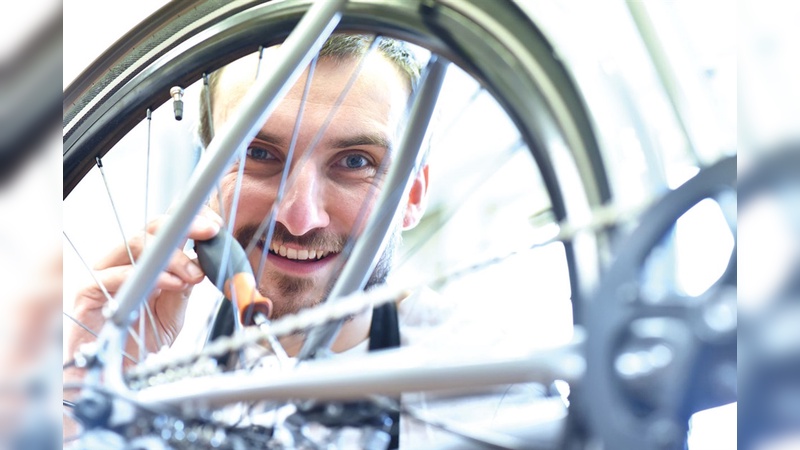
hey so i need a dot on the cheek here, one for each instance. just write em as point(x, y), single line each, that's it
point(347, 204)
point(254, 200)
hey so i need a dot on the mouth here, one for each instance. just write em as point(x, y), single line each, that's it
point(297, 255)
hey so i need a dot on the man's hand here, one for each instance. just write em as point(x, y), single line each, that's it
point(167, 302)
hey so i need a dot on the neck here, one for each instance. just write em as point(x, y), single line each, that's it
point(353, 332)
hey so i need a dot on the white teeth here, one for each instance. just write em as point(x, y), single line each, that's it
point(302, 255)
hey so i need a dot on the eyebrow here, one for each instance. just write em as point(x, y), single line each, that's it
point(270, 138)
point(375, 139)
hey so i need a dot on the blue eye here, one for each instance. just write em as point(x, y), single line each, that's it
point(259, 153)
point(354, 161)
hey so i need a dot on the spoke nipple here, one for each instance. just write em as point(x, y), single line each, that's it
point(107, 311)
point(177, 101)
point(86, 355)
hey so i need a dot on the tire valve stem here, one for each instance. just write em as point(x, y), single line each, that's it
point(177, 101)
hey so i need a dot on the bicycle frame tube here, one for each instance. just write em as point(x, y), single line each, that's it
point(296, 53)
point(371, 243)
point(390, 372)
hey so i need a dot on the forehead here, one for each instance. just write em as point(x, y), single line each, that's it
point(377, 96)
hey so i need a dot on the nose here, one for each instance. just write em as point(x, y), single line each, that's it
point(303, 205)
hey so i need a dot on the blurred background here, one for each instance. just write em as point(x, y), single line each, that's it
point(30, 225)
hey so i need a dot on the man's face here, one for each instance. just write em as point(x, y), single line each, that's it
point(328, 188)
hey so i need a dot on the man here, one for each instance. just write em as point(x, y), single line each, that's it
point(327, 192)
point(319, 208)
point(321, 205)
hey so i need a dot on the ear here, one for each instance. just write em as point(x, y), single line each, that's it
point(417, 199)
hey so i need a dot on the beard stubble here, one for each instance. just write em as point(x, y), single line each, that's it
point(290, 294)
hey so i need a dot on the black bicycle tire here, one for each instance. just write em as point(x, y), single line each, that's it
point(187, 15)
point(443, 28)
point(130, 50)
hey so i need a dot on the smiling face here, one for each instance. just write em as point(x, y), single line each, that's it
point(327, 189)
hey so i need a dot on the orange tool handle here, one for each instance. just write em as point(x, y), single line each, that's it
point(239, 282)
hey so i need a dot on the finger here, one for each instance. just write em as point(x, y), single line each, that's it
point(119, 255)
point(180, 273)
point(169, 282)
point(209, 220)
point(108, 283)
point(209, 213)
point(206, 220)
point(113, 278)
point(204, 226)
point(154, 294)
point(182, 266)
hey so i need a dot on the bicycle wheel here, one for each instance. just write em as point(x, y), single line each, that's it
point(654, 326)
point(496, 44)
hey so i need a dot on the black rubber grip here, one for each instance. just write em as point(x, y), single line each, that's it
point(210, 254)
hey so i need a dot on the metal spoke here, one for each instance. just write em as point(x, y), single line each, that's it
point(260, 58)
point(79, 323)
point(372, 241)
point(299, 48)
point(271, 218)
point(142, 313)
point(351, 304)
point(142, 320)
point(315, 140)
point(151, 317)
point(207, 95)
point(114, 208)
point(111, 302)
point(268, 224)
point(210, 123)
point(231, 218)
point(419, 244)
point(147, 173)
point(445, 130)
point(109, 299)
point(93, 333)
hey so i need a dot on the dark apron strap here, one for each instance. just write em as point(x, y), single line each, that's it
point(385, 330)
point(384, 334)
point(223, 326)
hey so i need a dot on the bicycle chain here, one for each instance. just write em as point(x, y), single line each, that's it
point(165, 367)
point(161, 367)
